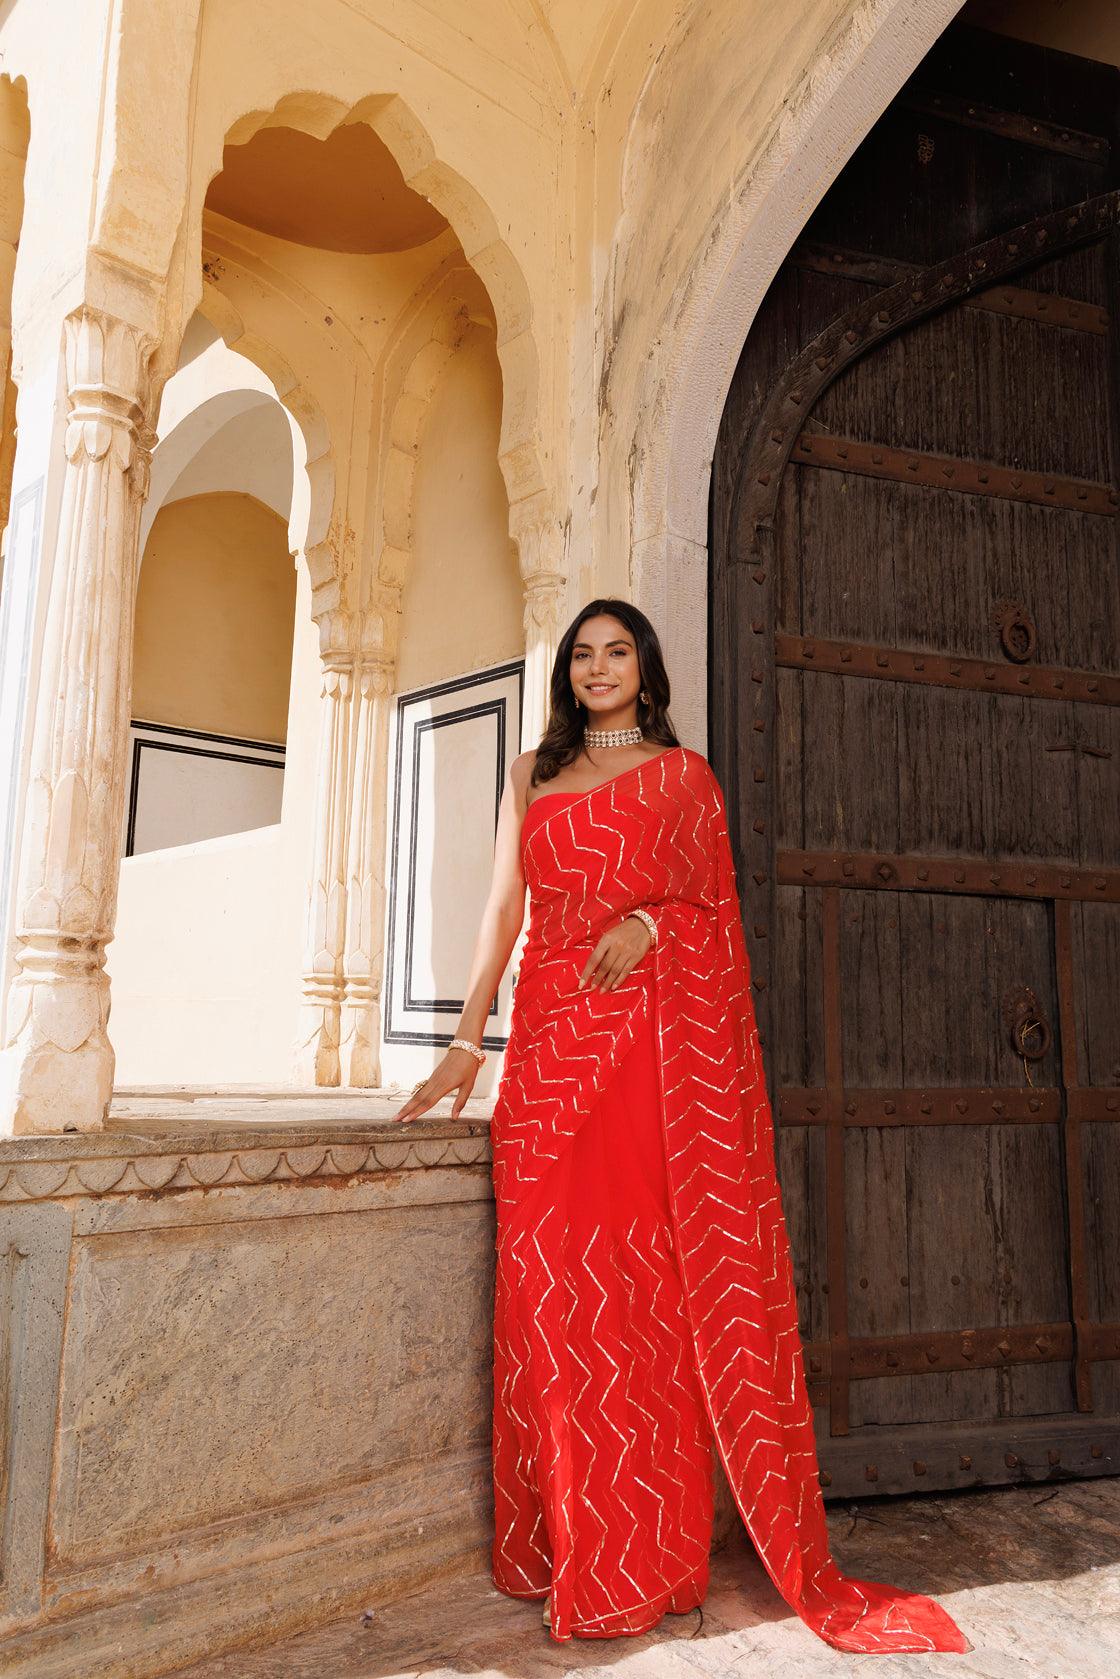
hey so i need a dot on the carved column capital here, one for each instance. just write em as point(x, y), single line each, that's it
point(109, 389)
point(337, 676)
point(543, 603)
point(376, 678)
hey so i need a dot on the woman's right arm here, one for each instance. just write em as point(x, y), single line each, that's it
point(501, 923)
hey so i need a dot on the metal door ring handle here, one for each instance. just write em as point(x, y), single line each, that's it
point(1030, 1025)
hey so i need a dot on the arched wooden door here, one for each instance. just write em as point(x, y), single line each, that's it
point(914, 635)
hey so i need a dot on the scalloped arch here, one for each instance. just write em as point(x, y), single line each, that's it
point(478, 233)
point(312, 425)
point(177, 449)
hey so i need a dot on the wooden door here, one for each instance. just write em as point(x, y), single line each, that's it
point(914, 682)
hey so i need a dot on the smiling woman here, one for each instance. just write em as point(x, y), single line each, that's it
point(645, 1309)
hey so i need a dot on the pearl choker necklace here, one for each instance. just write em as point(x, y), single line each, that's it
point(612, 737)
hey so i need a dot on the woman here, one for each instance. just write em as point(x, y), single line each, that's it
point(644, 1298)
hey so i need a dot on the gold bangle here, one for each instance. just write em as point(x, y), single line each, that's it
point(465, 1043)
point(651, 924)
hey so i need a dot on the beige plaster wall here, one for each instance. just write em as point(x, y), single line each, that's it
point(454, 110)
point(14, 134)
point(462, 601)
point(672, 151)
point(698, 234)
point(214, 618)
point(202, 964)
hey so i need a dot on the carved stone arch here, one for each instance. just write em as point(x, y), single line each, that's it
point(479, 235)
point(323, 562)
point(178, 447)
point(658, 454)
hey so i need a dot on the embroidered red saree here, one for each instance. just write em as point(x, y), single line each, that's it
point(644, 1300)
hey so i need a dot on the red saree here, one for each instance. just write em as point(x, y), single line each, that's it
point(644, 1300)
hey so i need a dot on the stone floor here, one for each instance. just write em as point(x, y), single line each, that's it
point(1031, 1573)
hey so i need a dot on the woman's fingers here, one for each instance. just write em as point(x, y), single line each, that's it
point(419, 1102)
point(611, 960)
point(594, 964)
point(411, 1110)
point(610, 971)
point(448, 1076)
point(614, 956)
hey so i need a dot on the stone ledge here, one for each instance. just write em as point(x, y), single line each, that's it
point(214, 1143)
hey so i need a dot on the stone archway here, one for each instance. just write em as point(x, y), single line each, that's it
point(191, 434)
point(478, 233)
point(536, 525)
point(309, 420)
point(662, 451)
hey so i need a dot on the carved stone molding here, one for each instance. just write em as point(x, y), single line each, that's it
point(133, 1168)
point(56, 1067)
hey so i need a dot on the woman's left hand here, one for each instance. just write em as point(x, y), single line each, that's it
point(616, 953)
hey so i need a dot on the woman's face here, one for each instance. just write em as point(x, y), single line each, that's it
point(604, 668)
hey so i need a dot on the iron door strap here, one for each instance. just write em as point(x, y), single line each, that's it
point(878, 317)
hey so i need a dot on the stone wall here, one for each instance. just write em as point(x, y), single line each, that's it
point(246, 1377)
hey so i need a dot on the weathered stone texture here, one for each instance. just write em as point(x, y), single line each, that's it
point(272, 1394)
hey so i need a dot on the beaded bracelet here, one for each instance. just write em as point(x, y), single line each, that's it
point(465, 1043)
point(644, 915)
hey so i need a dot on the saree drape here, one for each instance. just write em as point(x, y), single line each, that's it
point(644, 1302)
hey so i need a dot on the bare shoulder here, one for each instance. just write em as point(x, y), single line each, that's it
point(520, 769)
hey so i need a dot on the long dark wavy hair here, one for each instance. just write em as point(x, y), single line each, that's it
point(562, 741)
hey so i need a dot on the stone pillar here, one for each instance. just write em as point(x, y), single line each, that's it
point(317, 1057)
point(538, 538)
point(57, 1064)
point(544, 598)
point(363, 964)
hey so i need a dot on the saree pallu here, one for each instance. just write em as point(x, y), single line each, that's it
point(644, 1299)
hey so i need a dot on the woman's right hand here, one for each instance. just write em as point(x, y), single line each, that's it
point(457, 1071)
